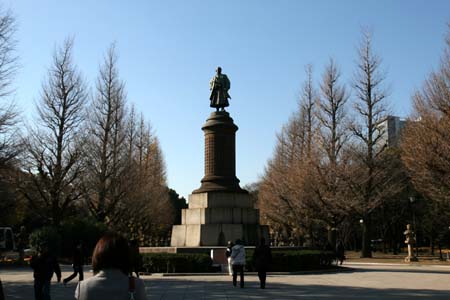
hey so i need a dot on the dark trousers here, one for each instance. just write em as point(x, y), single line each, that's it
point(2, 296)
point(262, 278)
point(42, 289)
point(240, 269)
point(76, 270)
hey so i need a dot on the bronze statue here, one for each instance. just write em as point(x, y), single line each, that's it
point(219, 86)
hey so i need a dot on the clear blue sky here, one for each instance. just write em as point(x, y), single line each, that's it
point(168, 51)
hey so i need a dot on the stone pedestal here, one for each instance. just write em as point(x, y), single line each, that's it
point(220, 210)
point(213, 218)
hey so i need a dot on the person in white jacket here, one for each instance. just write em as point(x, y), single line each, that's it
point(238, 262)
point(111, 266)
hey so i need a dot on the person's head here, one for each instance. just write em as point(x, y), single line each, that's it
point(111, 252)
point(238, 242)
point(230, 243)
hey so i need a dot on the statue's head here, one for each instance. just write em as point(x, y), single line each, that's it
point(408, 226)
point(219, 70)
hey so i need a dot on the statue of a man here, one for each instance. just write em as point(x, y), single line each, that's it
point(219, 86)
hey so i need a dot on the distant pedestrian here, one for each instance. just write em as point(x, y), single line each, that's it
point(228, 255)
point(238, 262)
point(44, 264)
point(340, 253)
point(111, 266)
point(263, 258)
point(135, 258)
point(77, 262)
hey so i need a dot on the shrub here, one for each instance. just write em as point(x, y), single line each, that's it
point(46, 236)
point(292, 261)
point(176, 263)
point(77, 229)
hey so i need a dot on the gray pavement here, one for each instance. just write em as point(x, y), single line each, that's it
point(360, 281)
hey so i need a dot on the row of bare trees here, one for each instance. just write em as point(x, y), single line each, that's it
point(86, 155)
point(93, 153)
point(426, 146)
point(332, 168)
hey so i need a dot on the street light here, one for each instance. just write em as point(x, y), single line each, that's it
point(361, 221)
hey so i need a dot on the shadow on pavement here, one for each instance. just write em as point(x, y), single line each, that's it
point(183, 289)
point(166, 288)
point(399, 270)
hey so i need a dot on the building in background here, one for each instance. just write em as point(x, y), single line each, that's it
point(391, 130)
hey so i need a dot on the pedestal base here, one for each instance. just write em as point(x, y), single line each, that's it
point(213, 218)
point(216, 234)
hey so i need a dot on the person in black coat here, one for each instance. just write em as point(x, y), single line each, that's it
point(135, 258)
point(77, 263)
point(2, 296)
point(262, 257)
point(340, 253)
point(44, 264)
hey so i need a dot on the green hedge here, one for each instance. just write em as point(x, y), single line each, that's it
point(176, 263)
point(282, 261)
point(292, 261)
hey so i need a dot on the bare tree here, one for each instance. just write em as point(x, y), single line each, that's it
point(146, 211)
point(426, 138)
point(54, 147)
point(284, 191)
point(106, 150)
point(371, 110)
point(332, 136)
point(9, 144)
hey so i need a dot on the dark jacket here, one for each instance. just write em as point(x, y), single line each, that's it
point(262, 257)
point(78, 256)
point(2, 296)
point(43, 267)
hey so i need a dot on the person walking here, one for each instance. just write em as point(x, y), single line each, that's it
point(262, 258)
point(77, 263)
point(2, 296)
point(228, 255)
point(44, 264)
point(111, 266)
point(340, 253)
point(238, 262)
point(135, 258)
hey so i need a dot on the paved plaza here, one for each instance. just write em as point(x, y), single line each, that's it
point(359, 281)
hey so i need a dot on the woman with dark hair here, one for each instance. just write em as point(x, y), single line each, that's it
point(111, 266)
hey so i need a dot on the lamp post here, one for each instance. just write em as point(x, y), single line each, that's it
point(412, 200)
point(361, 221)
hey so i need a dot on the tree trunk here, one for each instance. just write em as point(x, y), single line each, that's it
point(365, 250)
point(332, 237)
point(432, 245)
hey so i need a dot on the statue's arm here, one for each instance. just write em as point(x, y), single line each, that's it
point(227, 82)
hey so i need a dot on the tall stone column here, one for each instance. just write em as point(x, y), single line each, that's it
point(220, 155)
